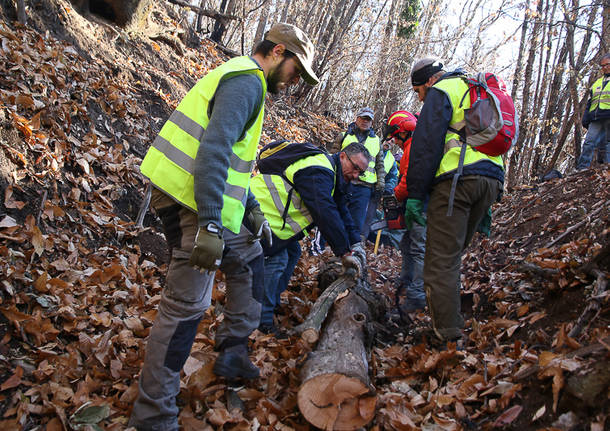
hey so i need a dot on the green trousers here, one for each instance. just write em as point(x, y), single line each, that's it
point(447, 237)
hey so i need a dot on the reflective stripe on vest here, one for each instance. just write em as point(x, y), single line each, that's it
point(600, 95)
point(455, 88)
point(373, 146)
point(272, 192)
point(169, 162)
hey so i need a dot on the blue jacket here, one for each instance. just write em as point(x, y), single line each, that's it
point(391, 178)
point(328, 210)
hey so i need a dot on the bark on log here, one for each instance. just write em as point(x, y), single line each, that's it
point(310, 328)
point(336, 393)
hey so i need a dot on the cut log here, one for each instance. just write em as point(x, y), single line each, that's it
point(336, 393)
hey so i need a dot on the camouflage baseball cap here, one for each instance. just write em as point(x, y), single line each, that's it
point(297, 42)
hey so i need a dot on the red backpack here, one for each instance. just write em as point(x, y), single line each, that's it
point(491, 122)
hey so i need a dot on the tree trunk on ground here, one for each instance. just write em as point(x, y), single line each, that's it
point(336, 392)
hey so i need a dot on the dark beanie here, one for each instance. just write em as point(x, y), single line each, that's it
point(424, 69)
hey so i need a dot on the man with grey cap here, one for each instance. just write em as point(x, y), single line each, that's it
point(434, 159)
point(200, 165)
point(373, 178)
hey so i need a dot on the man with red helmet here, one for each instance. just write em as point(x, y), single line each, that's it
point(400, 127)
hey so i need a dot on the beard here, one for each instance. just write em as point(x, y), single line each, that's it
point(276, 77)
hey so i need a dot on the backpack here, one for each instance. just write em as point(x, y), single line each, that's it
point(492, 124)
point(276, 156)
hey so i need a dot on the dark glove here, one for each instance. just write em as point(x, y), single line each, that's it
point(209, 245)
point(358, 251)
point(484, 226)
point(350, 261)
point(260, 225)
point(414, 212)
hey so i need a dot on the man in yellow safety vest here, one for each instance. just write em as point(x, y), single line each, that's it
point(433, 160)
point(200, 165)
point(597, 119)
point(373, 179)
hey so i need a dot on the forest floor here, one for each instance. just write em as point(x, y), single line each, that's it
point(81, 99)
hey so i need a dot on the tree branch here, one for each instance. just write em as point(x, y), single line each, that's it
point(206, 12)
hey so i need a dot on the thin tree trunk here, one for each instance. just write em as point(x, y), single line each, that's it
point(262, 24)
point(519, 153)
point(519, 65)
point(285, 10)
point(21, 16)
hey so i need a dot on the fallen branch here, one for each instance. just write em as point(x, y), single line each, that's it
point(310, 328)
point(594, 304)
point(576, 226)
point(581, 353)
point(205, 12)
point(536, 270)
point(144, 206)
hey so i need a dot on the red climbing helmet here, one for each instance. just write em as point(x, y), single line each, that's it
point(399, 121)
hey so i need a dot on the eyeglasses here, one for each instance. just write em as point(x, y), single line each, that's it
point(355, 166)
point(605, 64)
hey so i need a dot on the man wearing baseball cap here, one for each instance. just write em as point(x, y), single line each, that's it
point(200, 166)
point(373, 178)
point(434, 159)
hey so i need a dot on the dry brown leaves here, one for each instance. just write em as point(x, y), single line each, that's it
point(78, 296)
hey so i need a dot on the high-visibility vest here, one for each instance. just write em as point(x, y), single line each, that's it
point(388, 161)
point(600, 95)
point(169, 162)
point(371, 144)
point(275, 193)
point(455, 88)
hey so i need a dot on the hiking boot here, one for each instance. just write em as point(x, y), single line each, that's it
point(278, 333)
point(233, 363)
point(412, 305)
point(429, 337)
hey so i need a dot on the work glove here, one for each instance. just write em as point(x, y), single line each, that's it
point(484, 226)
point(358, 251)
point(350, 261)
point(260, 225)
point(209, 245)
point(414, 212)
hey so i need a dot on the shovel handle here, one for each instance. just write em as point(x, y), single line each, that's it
point(377, 241)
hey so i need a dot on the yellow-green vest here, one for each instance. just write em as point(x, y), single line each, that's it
point(600, 95)
point(272, 193)
point(455, 88)
point(371, 144)
point(388, 161)
point(169, 163)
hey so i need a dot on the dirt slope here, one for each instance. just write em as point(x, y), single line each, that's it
point(80, 100)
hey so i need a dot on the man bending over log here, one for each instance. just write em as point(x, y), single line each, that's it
point(311, 191)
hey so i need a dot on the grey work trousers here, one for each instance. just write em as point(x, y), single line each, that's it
point(186, 296)
point(447, 237)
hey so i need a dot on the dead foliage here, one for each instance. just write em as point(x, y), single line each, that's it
point(80, 283)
